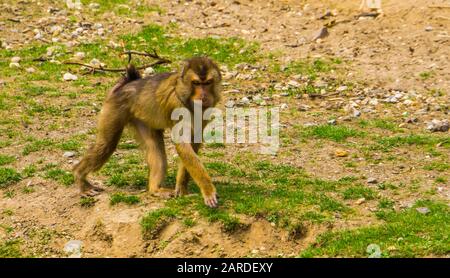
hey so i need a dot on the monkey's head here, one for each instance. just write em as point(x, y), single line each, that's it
point(201, 80)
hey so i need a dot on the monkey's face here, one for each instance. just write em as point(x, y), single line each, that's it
point(203, 78)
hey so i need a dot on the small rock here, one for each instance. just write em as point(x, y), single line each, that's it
point(283, 106)
point(360, 201)
point(69, 154)
point(356, 113)
point(98, 26)
point(230, 104)
point(372, 180)
point(429, 28)
point(332, 122)
point(69, 77)
point(304, 107)
point(101, 32)
point(30, 70)
point(340, 153)
point(94, 6)
point(438, 125)
point(96, 63)
point(79, 55)
point(15, 59)
point(73, 248)
point(423, 210)
point(14, 65)
point(373, 250)
point(294, 84)
point(341, 88)
point(322, 33)
point(411, 120)
point(244, 101)
point(149, 71)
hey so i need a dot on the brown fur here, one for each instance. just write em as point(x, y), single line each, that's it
point(147, 104)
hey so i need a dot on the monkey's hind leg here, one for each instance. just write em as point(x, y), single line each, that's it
point(110, 126)
point(153, 141)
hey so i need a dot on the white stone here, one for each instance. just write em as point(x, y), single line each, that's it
point(15, 59)
point(69, 77)
point(149, 71)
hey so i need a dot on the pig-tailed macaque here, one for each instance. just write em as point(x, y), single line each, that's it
point(146, 104)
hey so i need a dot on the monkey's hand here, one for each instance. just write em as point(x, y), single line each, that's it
point(211, 199)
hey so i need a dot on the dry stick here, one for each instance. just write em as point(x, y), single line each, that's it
point(129, 53)
point(100, 68)
point(153, 55)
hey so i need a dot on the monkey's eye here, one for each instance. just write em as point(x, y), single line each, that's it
point(208, 82)
point(196, 82)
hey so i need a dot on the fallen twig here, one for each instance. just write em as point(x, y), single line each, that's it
point(100, 68)
point(153, 55)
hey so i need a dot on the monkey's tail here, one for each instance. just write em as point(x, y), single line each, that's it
point(131, 74)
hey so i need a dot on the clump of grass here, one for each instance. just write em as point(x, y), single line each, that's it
point(156, 220)
point(387, 143)
point(335, 133)
point(61, 176)
point(6, 159)
point(10, 249)
point(36, 145)
point(359, 191)
point(70, 145)
point(123, 198)
point(127, 172)
point(411, 233)
point(87, 202)
point(438, 166)
point(425, 75)
point(8, 176)
point(312, 68)
point(189, 222)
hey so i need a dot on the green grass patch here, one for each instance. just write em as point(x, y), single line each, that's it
point(438, 166)
point(37, 145)
point(87, 202)
point(8, 176)
point(117, 198)
point(358, 191)
point(6, 159)
point(387, 143)
point(61, 176)
point(331, 132)
point(404, 234)
point(10, 249)
point(230, 51)
point(156, 220)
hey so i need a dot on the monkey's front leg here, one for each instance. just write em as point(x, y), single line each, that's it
point(183, 175)
point(198, 173)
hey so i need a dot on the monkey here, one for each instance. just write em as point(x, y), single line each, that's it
point(146, 105)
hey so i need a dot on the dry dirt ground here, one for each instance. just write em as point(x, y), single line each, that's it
point(405, 50)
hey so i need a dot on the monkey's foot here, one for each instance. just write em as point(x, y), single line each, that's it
point(91, 191)
point(180, 192)
point(164, 193)
point(211, 201)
